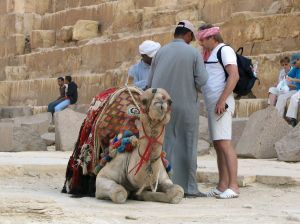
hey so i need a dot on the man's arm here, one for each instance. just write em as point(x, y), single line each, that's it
point(233, 78)
point(200, 73)
point(289, 79)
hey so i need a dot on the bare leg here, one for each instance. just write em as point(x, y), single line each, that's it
point(225, 147)
point(272, 99)
point(109, 189)
point(222, 168)
point(168, 193)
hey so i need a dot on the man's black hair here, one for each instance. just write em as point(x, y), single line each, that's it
point(68, 78)
point(61, 79)
point(180, 31)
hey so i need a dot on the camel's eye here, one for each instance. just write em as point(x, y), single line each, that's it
point(170, 102)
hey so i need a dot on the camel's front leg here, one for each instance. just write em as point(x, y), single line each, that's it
point(167, 192)
point(109, 189)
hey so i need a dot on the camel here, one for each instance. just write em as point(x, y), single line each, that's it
point(141, 173)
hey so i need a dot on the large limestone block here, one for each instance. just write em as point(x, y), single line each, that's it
point(85, 29)
point(6, 137)
point(42, 38)
point(49, 138)
point(13, 73)
point(66, 33)
point(67, 126)
point(238, 126)
point(262, 130)
point(15, 111)
point(288, 148)
point(39, 122)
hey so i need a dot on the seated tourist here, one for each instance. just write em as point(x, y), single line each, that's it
point(51, 106)
point(138, 73)
point(279, 95)
point(294, 76)
point(71, 95)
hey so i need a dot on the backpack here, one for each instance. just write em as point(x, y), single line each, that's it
point(245, 67)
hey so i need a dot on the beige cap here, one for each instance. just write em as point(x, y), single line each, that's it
point(187, 24)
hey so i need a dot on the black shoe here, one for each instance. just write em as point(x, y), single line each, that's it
point(196, 195)
point(293, 122)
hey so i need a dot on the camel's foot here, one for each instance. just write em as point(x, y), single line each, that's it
point(108, 189)
point(175, 193)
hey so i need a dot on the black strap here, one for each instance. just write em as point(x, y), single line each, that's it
point(240, 51)
point(219, 56)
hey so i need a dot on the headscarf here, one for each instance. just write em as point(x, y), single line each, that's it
point(202, 34)
point(149, 48)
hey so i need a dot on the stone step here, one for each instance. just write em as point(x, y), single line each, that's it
point(259, 34)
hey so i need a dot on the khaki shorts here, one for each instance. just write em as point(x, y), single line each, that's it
point(220, 126)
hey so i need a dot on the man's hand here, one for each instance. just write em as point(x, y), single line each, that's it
point(289, 79)
point(220, 107)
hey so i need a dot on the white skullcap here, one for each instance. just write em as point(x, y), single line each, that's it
point(149, 48)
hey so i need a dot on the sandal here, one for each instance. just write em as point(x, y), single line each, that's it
point(213, 193)
point(227, 194)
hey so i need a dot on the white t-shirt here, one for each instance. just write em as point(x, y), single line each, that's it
point(215, 84)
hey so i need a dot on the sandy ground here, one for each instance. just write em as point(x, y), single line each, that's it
point(34, 197)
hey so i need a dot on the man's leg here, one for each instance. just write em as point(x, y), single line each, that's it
point(222, 168)
point(281, 102)
point(273, 92)
point(51, 106)
point(293, 107)
point(229, 163)
point(62, 105)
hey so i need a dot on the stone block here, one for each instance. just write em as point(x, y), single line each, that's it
point(262, 130)
point(13, 73)
point(6, 136)
point(85, 29)
point(49, 138)
point(42, 38)
point(15, 111)
point(238, 126)
point(66, 33)
point(288, 148)
point(67, 127)
point(203, 147)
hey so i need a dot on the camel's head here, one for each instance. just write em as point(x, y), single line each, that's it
point(156, 103)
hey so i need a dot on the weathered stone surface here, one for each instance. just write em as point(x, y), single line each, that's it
point(238, 126)
point(66, 33)
point(80, 108)
point(6, 137)
point(203, 147)
point(49, 138)
point(13, 73)
point(262, 130)
point(203, 129)
point(67, 126)
point(288, 148)
point(16, 111)
point(42, 38)
point(39, 122)
point(85, 29)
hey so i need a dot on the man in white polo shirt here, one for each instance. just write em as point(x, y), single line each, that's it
point(218, 95)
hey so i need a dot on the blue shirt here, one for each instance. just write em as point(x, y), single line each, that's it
point(295, 73)
point(140, 72)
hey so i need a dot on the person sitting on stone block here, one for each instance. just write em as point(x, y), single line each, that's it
point(138, 73)
point(52, 105)
point(71, 95)
point(282, 91)
point(294, 76)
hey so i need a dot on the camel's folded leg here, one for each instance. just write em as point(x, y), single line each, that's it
point(168, 193)
point(109, 189)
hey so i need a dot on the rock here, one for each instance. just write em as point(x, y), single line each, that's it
point(67, 126)
point(262, 130)
point(18, 139)
point(238, 126)
point(80, 108)
point(15, 111)
point(51, 148)
point(275, 7)
point(288, 148)
point(85, 29)
point(42, 38)
point(203, 129)
point(16, 73)
point(39, 122)
point(6, 137)
point(203, 147)
point(247, 206)
point(49, 138)
point(66, 33)
point(51, 128)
